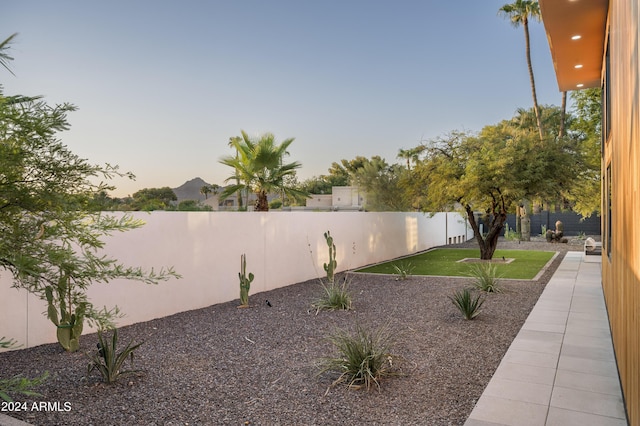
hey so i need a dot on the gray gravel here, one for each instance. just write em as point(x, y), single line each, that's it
point(227, 366)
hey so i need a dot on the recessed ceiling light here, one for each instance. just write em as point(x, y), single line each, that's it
point(578, 66)
point(576, 37)
point(580, 85)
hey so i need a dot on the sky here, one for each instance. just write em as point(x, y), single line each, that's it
point(161, 86)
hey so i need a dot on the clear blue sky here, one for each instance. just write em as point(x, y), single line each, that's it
point(162, 85)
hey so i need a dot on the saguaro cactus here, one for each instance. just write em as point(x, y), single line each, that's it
point(245, 282)
point(330, 268)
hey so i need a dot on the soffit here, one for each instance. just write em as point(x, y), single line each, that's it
point(564, 19)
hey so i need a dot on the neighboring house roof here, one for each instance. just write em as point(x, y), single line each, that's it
point(577, 61)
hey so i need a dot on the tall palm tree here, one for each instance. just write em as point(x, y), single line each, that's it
point(563, 114)
point(4, 57)
point(232, 141)
point(259, 168)
point(411, 155)
point(206, 190)
point(519, 13)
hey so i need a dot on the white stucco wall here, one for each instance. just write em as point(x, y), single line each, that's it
point(282, 248)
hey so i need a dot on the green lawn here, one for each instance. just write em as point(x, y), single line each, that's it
point(444, 262)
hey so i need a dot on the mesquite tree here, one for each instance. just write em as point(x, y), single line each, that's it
point(484, 175)
point(51, 238)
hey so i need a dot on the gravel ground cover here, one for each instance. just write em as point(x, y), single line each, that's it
point(222, 365)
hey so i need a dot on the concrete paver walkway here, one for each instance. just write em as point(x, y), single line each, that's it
point(560, 369)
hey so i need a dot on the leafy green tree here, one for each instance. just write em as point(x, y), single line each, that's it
point(149, 199)
point(51, 235)
point(585, 194)
point(381, 182)
point(485, 175)
point(317, 185)
point(193, 206)
point(344, 171)
point(519, 12)
point(260, 168)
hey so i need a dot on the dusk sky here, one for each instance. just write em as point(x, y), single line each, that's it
point(161, 86)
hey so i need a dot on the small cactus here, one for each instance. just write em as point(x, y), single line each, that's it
point(245, 282)
point(69, 324)
point(330, 268)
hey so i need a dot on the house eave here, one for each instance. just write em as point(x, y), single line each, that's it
point(577, 62)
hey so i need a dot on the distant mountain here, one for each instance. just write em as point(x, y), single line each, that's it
point(190, 190)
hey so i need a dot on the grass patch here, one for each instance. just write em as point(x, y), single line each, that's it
point(444, 262)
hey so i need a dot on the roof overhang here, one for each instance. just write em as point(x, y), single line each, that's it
point(578, 62)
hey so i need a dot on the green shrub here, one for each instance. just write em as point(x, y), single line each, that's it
point(108, 361)
point(485, 277)
point(468, 304)
point(403, 270)
point(275, 204)
point(335, 297)
point(362, 358)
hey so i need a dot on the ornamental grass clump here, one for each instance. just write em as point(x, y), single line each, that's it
point(486, 277)
point(335, 297)
point(467, 303)
point(362, 359)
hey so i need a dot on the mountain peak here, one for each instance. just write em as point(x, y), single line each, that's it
point(190, 190)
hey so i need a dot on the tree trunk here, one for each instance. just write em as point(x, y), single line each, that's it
point(262, 205)
point(489, 243)
point(563, 114)
point(525, 25)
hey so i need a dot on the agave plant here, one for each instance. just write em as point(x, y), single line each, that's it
point(403, 270)
point(108, 361)
point(467, 303)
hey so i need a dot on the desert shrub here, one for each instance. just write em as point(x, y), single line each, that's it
point(362, 358)
point(467, 303)
point(108, 361)
point(486, 277)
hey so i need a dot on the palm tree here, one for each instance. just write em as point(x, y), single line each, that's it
point(205, 190)
point(519, 13)
point(259, 168)
point(232, 141)
point(4, 57)
point(411, 155)
point(563, 114)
